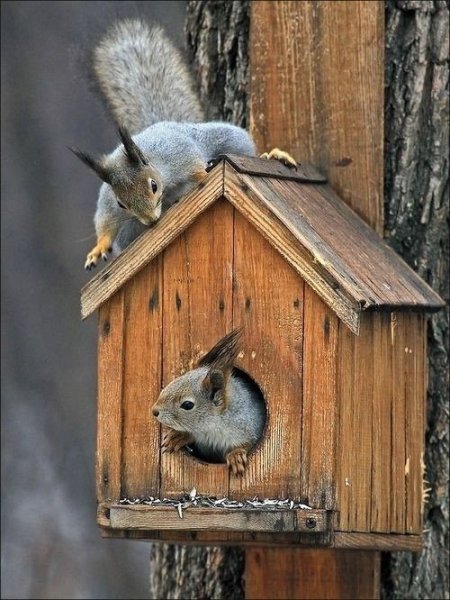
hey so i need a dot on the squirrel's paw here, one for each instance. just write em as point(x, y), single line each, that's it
point(237, 461)
point(101, 250)
point(282, 156)
point(173, 440)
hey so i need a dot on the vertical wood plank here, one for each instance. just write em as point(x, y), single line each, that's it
point(319, 402)
point(317, 85)
point(311, 574)
point(268, 303)
point(345, 427)
point(197, 312)
point(414, 423)
point(356, 380)
point(398, 501)
point(316, 89)
point(381, 424)
point(109, 399)
point(142, 378)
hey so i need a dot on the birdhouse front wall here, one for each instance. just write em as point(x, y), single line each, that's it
point(345, 413)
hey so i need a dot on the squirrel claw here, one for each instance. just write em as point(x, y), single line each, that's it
point(100, 250)
point(173, 441)
point(281, 155)
point(237, 461)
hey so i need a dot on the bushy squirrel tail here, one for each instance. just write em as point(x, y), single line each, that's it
point(143, 77)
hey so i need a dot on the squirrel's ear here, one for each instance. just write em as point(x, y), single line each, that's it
point(214, 384)
point(93, 163)
point(132, 151)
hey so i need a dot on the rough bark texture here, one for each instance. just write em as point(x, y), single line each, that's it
point(217, 35)
point(417, 226)
point(416, 193)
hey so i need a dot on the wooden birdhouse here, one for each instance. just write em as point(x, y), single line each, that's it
point(333, 334)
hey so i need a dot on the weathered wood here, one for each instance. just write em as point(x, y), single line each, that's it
point(250, 204)
point(151, 243)
point(142, 381)
point(318, 472)
point(270, 310)
point(220, 519)
point(398, 502)
point(377, 541)
point(317, 71)
point(381, 380)
point(414, 426)
point(351, 252)
point(382, 432)
point(311, 574)
point(274, 168)
point(197, 311)
point(317, 92)
point(342, 258)
point(288, 539)
point(109, 399)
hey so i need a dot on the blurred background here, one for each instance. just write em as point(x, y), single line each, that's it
point(51, 547)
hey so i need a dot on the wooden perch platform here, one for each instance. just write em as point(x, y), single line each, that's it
point(219, 519)
point(344, 261)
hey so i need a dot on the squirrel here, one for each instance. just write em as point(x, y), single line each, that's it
point(215, 407)
point(166, 145)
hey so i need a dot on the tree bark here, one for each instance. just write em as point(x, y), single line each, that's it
point(417, 226)
point(217, 36)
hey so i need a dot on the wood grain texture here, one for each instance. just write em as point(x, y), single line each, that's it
point(311, 574)
point(380, 518)
point(257, 210)
point(398, 503)
point(220, 519)
point(250, 165)
point(342, 258)
point(142, 382)
point(350, 252)
point(268, 303)
point(316, 90)
point(148, 245)
point(356, 373)
point(318, 465)
point(319, 95)
point(414, 420)
point(197, 312)
point(381, 381)
point(109, 399)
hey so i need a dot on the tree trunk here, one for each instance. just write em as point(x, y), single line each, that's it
point(416, 217)
point(416, 205)
point(217, 35)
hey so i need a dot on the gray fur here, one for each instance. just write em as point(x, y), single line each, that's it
point(216, 431)
point(172, 149)
point(143, 77)
point(148, 86)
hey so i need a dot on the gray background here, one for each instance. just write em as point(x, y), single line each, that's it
point(51, 547)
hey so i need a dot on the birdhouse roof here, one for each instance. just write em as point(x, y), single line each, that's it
point(343, 259)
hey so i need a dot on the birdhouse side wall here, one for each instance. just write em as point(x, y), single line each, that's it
point(381, 423)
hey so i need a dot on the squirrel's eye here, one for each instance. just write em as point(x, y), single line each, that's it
point(154, 185)
point(121, 205)
point(187, 405)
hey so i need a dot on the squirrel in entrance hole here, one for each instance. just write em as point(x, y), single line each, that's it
point(167, 147)
point(216, 408)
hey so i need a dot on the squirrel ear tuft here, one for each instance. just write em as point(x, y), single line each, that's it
point(132, 151)
point(93, 163)
point(214, 383)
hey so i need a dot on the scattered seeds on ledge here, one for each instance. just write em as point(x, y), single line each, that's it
point(192, 499)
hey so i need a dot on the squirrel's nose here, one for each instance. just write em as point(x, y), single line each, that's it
point(155, 412)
